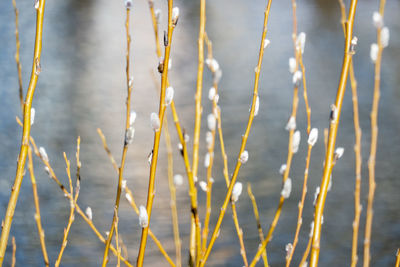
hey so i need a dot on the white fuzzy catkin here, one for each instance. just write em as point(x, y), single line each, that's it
point(33, 112)
point(175, 15)
point(37, 4)
point(377, 20)
point(209, 139)
point(257, 106)
point(244, 157)
point(296, 141)
point(212, 64)
point(282, 169)
point(374, 52)
point(211, 122)
point(266, 43)
point(43, 154)
point(178, 179)
point(128, 4)
point(339, 152)
point(143, 217)
point(155, 122)
point(292, 65)
point(296, 79)
point(123, 184)
point(128, 197)
point(288, 249)
point(291, 124)
point(89, 213)
point(211, 93)
point(311, 229)
point(169, 95)
point(207, 160)
point(301, 42)
point(385, 36)
point(313, 137)
point(237, 191)
point(132, 117)
point(129, 134)
point(287, 188)
point(316, 195)
point(158, 13)
point(203, 186)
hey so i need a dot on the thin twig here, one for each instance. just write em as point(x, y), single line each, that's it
point(25, 132)
point(37, 208)
point(72, 210)
point(257, 217)
point(131, 199)
point(357, 150)
point(244, 140)
point(129, 84)
point(157, 135)
point(334, 122)
point(17, 59)
point(374, 143)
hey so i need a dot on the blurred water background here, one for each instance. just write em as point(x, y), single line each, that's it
point(82, 87)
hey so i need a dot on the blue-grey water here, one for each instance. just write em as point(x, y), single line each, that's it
point(82, 87)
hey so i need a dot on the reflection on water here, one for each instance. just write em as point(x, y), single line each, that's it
point(82, 87)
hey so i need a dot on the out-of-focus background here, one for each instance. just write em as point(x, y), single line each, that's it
point(82, 87)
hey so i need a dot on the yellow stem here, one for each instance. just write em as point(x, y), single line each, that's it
point(157, 135)
point(334, 122)
point(37, 208)
point(257, 217)
point(244, 141)
point(374, 144)
point(25, 132)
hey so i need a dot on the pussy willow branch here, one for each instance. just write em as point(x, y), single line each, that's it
point(185, 155)
point(171, 185)
point(25, 132)
point(290, 150)
point(374, 143)
point(244, 140)
point(68, 195)
point(397, 258)
point(72, 210)
point(131, 198)
point(17, 59)
point(217, 113)
point(197, 123)
point(299, 60)
point(37, 208)
point(257, 217)
point(172, 189)
point(334, 123)
point(157, 135)
point(301, 206)
point(125, 148)
point(357, 149)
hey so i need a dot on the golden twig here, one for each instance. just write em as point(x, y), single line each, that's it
point(334, 122)
point(129, 84)
point(257, 217)
point(157, 135)
point(25, 133)
point(374, 143)
point(357, 149)
point(72, 210)
point(37, 208)
point(244, 140)
point(192, 188)
point(130, 197)
point(397, 258)
point(17, 59)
